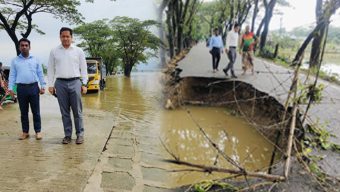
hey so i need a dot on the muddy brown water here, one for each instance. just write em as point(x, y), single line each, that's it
point(136, 103)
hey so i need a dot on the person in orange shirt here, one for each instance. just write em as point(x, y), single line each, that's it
point(248, 41)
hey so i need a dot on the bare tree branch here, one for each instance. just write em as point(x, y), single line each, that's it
point(210, 169)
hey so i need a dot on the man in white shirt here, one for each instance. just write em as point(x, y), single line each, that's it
point(231, 49)
point(65, 67)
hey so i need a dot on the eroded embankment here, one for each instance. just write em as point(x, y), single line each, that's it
point(264, 112)
point(258, 108)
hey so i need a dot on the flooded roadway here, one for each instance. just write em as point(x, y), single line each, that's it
point(141, 122)
point(132, 158)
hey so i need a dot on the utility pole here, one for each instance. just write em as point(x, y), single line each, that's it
point(281, 27)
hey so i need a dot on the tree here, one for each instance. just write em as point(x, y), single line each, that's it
point(264, 25)
point(16, 16)
point(330, 8)
point(161, 7)
point(256, 10)
point(223, 14)
point(98, 41)
point(269, 8)
point(134, 41)
point(319, 35)
point(180, 15)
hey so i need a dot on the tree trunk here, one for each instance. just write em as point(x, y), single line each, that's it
point(256, 9)
point(243, 12)
point(304, 45)
point(179, 38)
point(127, 69)
point(232, 15)
point(316, 47)
point(276, 52)
point(268, 15)
point(259, 29)
point(161, 8)
point(330, 9)
point(319, 36)
point(179, 13)
point(171, 33)
point(16, 43)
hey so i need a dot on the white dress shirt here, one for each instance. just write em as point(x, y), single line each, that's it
point(232, 39)
point(66, 63)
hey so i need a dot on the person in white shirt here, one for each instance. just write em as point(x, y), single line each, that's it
point(231, 47)
point(216, 48)
point(67, 78)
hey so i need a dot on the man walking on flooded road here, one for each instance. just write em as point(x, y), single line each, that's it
point(67, 78)
point(26, 71)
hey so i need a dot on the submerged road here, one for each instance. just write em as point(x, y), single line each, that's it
point(274, 80)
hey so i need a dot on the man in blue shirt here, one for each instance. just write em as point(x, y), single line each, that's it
point(216, 48)
point(26, 71)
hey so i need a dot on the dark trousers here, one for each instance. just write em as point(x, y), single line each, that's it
point(28, 95)
point(216, 56)
point(232, 59)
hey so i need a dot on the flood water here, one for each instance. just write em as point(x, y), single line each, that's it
point(136, 104)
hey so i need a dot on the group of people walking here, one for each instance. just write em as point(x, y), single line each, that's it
point(67, 78)
point(245, 44)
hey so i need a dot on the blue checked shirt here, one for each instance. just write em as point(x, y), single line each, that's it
point(216, 41)
point(26, 70)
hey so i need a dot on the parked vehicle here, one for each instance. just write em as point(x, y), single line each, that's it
point(96, 74)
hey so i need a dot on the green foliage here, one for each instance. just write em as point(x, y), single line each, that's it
point(95, 36)
point(334, 35)
point(65, 10)
point(210, 15)
point(207, 185)
point(318, 136)
point(316, 170)
point(301, 32)
point(16, 16)
point(309, 92)
point(287, 45)
point(333, 38)
point(134, 41)
point(97, 41)
point(123, 40)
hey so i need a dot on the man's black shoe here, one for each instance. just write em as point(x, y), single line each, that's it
point(80, 140)
point(225, 72)
point(67, 140)
point(234, 76)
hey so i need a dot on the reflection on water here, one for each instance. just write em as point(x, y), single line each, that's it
point(232, 135)
point(135, 103)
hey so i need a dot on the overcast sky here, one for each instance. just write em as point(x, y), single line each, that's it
point(300, 14)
